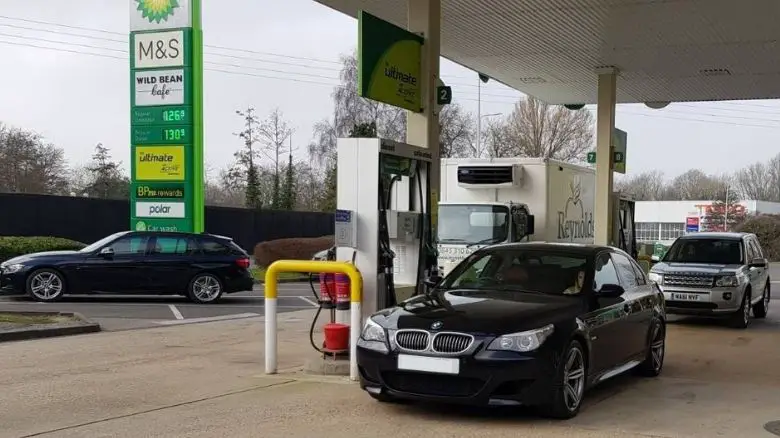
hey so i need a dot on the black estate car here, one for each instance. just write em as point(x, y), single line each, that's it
point(200, 266)
point(518, 324)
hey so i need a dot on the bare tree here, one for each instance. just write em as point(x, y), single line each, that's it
point(696, 185)
point(773, 168)
point(30, 165)
point(538, 129)
point(456, 132)
point(646, 186)
point(755, 182)
point(273, 134)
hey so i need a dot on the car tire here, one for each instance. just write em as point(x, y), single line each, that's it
point(656, 351)
point(762, 308)
point(569, 383)
point(204, 288)
point(741, 318)
point(45, 285)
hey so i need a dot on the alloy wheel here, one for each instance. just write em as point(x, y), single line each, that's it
point(46, 285)
point(657, 348)
point(206, 288)
point(573, 379)
point(746, 309)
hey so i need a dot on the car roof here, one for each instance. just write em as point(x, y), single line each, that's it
point(716, 235)
point(574, 248)
point(184, 233)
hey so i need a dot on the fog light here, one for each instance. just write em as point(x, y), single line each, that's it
point(727, 296)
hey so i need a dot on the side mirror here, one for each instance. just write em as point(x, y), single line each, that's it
point(432, 281)
point(610, 291)
point(655, 258)
point(529, 226)
point(757, 263)
point(106, 252)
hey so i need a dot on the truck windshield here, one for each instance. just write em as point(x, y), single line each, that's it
point(715, 251)
point(465, 224)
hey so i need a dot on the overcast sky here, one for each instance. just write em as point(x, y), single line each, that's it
point(290, 61)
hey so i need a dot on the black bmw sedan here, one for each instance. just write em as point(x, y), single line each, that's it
point(518, 324)
point(200, 266)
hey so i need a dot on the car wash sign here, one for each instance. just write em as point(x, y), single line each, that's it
point(389, 63)
point(165, 115)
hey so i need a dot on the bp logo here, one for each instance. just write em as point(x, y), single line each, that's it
point(157, 11)
point(140, 226)
point(573, 221)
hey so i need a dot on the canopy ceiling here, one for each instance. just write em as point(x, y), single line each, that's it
point(665, 50)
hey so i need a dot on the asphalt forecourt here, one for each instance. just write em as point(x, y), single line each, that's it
point(114, 312)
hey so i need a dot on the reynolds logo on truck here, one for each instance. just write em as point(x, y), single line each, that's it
point(574, 222)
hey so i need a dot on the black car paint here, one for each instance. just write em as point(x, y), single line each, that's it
point(614, 331)
point(91, 272)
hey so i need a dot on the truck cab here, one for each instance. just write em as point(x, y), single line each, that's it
point(490, 201)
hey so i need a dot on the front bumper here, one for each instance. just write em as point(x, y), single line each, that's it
point(486, 378)
point(715, 301)
point(13, 284)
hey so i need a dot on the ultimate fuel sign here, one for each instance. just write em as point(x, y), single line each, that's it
point(389, 63)
point(166, 115)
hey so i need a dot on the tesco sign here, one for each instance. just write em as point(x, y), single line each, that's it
point(171, 210)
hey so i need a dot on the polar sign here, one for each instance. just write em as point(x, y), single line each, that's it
point(159, 49)
point(171, 210)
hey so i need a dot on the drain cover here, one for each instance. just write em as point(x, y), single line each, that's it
point(773, 427)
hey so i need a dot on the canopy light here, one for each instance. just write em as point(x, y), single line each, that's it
point(657, 104)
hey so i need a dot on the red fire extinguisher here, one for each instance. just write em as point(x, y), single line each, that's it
point(342, 292)
point(327, 291)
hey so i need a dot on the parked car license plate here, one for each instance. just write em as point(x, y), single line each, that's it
point(686, 297)
point(438, 365)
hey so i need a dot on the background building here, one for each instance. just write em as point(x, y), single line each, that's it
point(667, 220)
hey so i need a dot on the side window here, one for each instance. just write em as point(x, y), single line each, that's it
point(134, 245)
point(170, 245)
point(605, 272)
point(213, 248)
point(756, 248)
point(625, 270)
point(641, 278)
point(750, 252)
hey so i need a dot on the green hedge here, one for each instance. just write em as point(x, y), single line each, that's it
point(767, 228)
point(12, 246)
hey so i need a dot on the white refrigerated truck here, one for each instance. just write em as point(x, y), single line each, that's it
point(489, 201)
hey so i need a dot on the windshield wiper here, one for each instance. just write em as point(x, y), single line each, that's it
point(488, 241)
point(453, 240)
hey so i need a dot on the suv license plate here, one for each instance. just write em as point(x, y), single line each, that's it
point(686, 297)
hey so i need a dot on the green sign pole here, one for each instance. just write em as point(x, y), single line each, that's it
point(166, 117)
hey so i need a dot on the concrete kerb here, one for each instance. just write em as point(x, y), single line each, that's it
point(83, 326)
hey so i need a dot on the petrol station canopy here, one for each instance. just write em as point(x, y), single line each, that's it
point(664, 50)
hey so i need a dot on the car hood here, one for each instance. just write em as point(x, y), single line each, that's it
point(696, 268)
point(488, 312)
point(64, 255)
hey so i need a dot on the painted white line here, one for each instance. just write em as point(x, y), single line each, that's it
point(208, 319)
point(310, 301)
point(175, 311)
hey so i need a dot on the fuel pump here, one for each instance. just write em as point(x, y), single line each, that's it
point(385, 187)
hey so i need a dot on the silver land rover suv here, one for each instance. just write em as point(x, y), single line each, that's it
point(715, 274)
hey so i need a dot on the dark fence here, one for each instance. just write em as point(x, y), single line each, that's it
point(89, 219)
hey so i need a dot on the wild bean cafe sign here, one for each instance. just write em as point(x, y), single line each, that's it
point(575, 220)
point(166, 118)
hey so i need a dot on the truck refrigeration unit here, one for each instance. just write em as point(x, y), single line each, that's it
point(489, 201)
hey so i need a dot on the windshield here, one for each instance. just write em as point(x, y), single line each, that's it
point(716, 251)
point(550, 272)
point(102, 242)
point(466, 224)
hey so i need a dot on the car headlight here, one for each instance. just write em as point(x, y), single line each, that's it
point(373, 337)
point(656, 277)
point(524, 341)
point(10, 269)
point(727, 281)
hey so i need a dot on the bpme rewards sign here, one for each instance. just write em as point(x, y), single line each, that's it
point(166, 115)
